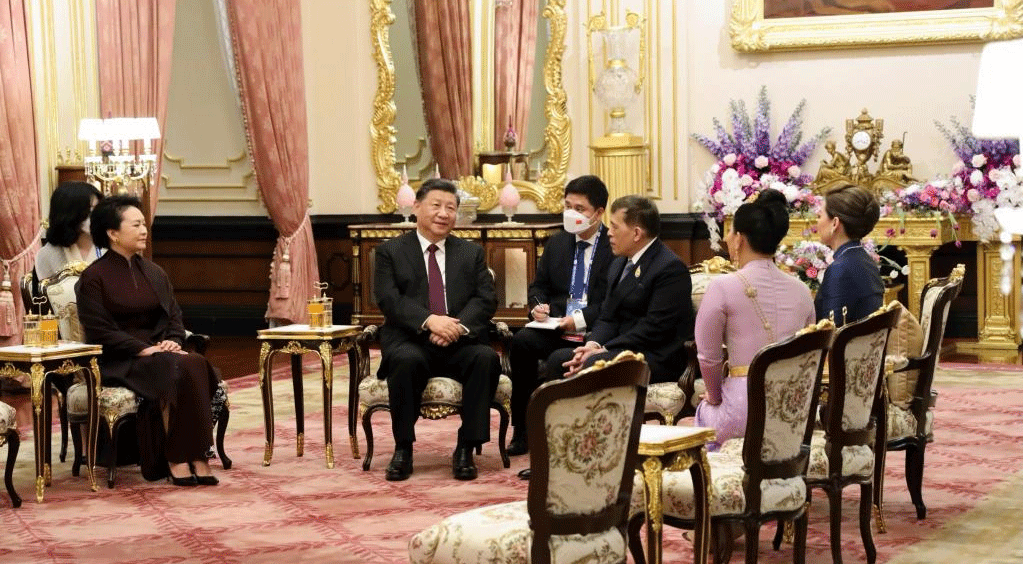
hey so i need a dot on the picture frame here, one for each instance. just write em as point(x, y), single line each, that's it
point(750, 31)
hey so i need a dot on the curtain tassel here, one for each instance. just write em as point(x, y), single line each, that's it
point(284, 276)
point(8, 326)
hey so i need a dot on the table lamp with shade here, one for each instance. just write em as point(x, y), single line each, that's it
point(998, 114)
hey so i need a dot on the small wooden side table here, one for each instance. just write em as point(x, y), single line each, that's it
point(675, 448)
point(40, 364)
point(296, 340)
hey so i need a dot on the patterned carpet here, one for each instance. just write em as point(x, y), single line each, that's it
point(298, 510)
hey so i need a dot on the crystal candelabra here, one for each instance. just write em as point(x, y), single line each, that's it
point(110, 162)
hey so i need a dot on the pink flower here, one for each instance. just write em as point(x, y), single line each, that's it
point(973, 195)
point(890, 232)
point(978, 161)
point(811, 272)
point(761, 161)
point(729, 159)
point(794, 171)
point(934, 232)
point(1015, 160)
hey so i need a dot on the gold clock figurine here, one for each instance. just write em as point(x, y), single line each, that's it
point(863, 137)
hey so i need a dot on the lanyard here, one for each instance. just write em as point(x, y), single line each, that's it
point(586, 275)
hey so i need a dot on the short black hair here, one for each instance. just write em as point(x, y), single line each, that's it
point(437, 184)
point(590, 186)
point(764, 221)
point(69, 207)
point(108, 214)
point(640, 211)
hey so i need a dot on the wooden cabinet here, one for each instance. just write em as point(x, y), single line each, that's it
point(511, 252)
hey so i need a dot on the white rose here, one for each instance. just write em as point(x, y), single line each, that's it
point(768, 179)
point(978, 161)
point(958, 167)
point(913, 189)
point(761, 162)
point(894, 274)
point(715, 168)
point(972, 195)
point(719, 196)
point(791, 191)
point(906, 270)
point(794, 171)
point(1015, 160)
point(746, 180)
point(729, 159)
point(976, 177)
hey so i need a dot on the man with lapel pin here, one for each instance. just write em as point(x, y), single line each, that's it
point(648, 308)
point(570, 284)
point(437, 297)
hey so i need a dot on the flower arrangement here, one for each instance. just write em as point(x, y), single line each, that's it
point(940, 199)
point(807, 260)
point(748, 163)
point(988, 175)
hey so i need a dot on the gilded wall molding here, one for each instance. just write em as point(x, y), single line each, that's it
point(751, 32)
point(546, 191)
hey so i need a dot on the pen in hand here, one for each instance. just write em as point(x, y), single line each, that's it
point(541, 310)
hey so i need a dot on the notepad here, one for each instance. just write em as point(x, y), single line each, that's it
point(550, 323)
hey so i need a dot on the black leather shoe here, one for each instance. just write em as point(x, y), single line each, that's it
point(518, 445)
point(400, 467)
point(462, 464)
point(210, 480)
point(525, 474)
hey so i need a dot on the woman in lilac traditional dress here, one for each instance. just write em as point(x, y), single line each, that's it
point(745, 311)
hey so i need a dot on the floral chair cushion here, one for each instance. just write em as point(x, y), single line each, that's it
point(666, 398)
point(112, 400)
point(788, 386)
point(7, 417)
point(219, 402)
point(727, 496)
point(501, 533)
point(863, 358)
point(373, 391)
point(856, 460)
point(587, 438)
point(61, 296)
point(902, 423)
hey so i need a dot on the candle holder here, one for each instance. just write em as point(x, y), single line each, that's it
point(321, 309)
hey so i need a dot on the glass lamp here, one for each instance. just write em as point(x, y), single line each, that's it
point(998, 114)
point(110, 161)
point(618, 86)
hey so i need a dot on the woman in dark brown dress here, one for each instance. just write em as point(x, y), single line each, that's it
point(126, 304)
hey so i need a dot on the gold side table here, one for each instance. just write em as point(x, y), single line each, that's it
point(296, 340)
point(40, 364)
point(675, 448)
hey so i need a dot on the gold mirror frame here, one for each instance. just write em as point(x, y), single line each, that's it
point(750, 32)
point(548, 188)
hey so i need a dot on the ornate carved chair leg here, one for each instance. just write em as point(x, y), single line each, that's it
point(502, 435)
point(865, 506)
point(367, 428)
point(752, 540)
point(915, 477)
point(635, 543)
point(225, 416)
point(779, 532)
point(62, 414)
point(13, 444)
point(76, 441)
point(835, 512)
point(799, 543)
point(115, 431)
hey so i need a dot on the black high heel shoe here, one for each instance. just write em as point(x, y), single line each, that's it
point(210, 480)
point(187, 481)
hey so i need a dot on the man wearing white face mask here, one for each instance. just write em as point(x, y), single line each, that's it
point(570, 284)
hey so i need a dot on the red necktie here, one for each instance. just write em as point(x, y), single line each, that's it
point(436, 283)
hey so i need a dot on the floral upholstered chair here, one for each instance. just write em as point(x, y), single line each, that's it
point(669, 401)
point(9, 436)
point(442, 396)
point(843, 453)
point(763, 478)
point(584, 436)
point(117, 405)
point(911, 428)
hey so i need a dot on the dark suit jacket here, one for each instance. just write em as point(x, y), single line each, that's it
point(651, 313)
point(853, 281)
point(553, 278)
point(402, 289)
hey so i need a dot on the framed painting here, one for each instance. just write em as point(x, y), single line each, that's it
point(778, 25)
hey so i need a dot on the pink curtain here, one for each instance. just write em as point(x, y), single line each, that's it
point(19, 188)
point(267, 36)
point(444, 45)
point(135, 40)
point(514, 58)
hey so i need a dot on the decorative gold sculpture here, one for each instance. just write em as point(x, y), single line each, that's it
point(863, 137)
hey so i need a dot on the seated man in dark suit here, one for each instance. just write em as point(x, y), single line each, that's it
point(437, 298)
point(570, 283)
point(648, 308)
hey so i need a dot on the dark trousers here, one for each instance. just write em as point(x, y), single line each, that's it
point(562, 356)
point(409, 365)
point(528, 347)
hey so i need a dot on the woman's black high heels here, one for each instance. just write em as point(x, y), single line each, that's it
point(210, 480)
point(187, 481)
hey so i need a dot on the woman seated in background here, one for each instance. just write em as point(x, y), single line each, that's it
point(852, 287)
point(126, 304)
point(745, 311)
point(67, 237)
